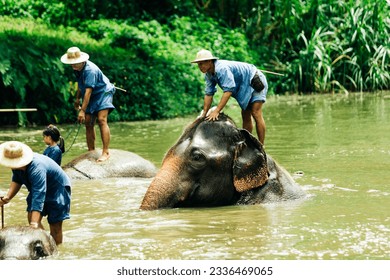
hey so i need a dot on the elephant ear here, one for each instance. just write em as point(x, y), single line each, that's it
point(250, 168)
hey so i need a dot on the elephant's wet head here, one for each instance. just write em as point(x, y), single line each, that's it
point(198, 170)
point(25, 243)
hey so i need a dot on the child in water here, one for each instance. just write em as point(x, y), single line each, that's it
point(55, 142)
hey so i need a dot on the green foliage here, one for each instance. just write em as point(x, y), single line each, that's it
point(161, 83)
point(75, 12)
point(146, 46)
point(29, 74)
point(324, 46)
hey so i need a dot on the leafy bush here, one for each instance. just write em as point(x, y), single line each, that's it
point(324, 46)
point(155, 70)
point(320, 46)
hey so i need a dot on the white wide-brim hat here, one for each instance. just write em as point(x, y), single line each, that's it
point(203, 55)
point(74, 56)
point(15, 154)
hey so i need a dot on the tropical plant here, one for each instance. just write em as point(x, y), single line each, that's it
point(145, 47)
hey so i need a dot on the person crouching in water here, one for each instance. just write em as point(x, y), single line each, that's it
point(49, 187)
point(55, 143)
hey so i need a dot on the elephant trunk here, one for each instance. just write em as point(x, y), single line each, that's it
point(163, 191)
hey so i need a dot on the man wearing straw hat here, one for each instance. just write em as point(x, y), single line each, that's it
point(48, 186)
point(242, 81)
point(97, 93)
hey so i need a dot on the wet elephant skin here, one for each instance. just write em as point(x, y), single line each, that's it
point(120, 164)
point(25, 243)
point(214, 163)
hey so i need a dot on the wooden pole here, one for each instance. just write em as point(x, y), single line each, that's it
point(2, 216)
point(270, 72)
point(19, 110)
point(120, 89)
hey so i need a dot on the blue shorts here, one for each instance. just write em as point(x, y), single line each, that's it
point(100, 102)
point(57, 210)
point(260, 96)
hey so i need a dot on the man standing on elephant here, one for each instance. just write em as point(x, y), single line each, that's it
point(243, 81)
point(97, 95)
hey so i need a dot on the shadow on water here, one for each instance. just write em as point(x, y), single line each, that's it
point(336, 147)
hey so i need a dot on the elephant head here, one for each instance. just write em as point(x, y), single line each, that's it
point(25, 243)
point(212, 163)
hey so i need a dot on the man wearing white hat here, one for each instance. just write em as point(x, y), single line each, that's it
point(48, 185)
point(242, 81)
point(97, 93)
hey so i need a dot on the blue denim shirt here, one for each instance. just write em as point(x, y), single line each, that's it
point(46, 182)
point(54, 152)
point(232, 76)
point(102, 90)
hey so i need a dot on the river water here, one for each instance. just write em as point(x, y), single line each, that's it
point(336, 147)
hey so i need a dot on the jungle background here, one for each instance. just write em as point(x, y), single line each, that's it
point(145, 47)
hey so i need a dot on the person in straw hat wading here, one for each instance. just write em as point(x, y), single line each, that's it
point(49, 187)
point(96, 92)
point(242, 81)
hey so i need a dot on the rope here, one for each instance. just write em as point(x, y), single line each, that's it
point(82, 173)
point(70, 131)
point(74, 139)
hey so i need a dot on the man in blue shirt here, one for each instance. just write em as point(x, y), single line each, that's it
point(97, 93)
point(242, 81)
point(48, 185)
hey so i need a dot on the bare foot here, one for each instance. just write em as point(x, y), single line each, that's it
point(103, 157)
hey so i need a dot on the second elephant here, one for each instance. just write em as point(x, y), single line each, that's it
point(214, 163)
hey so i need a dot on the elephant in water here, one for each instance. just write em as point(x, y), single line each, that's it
point(25, 243)
point(120, 164)
point(214, 163)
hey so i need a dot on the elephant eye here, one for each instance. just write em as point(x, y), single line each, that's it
point(37, 250)
point(197, 159)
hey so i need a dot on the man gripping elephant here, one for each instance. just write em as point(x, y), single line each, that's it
point(242, 81)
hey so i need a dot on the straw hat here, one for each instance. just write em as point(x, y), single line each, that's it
point(203, 55)
point(73, 56)
point(15, 154)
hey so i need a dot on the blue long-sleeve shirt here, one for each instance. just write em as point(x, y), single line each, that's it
point(102, 90)
point(54, 152)
point(45, 180)
point(232, 76)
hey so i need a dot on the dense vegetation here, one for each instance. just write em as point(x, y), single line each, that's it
point(145, 47)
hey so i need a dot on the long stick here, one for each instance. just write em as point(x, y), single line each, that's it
point(270, 72)
point(19, 110)
point(120, 89)
point(2, 216)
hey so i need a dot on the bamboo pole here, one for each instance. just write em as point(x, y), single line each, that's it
point(19, 110)
point(270, 72)
point(2, 216)
point(121, 89)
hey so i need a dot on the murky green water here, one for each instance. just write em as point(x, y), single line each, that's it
point(340, 143)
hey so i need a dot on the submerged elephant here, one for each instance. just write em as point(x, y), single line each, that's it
point(25, 243)
point(120, 164)
point(214, 163)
